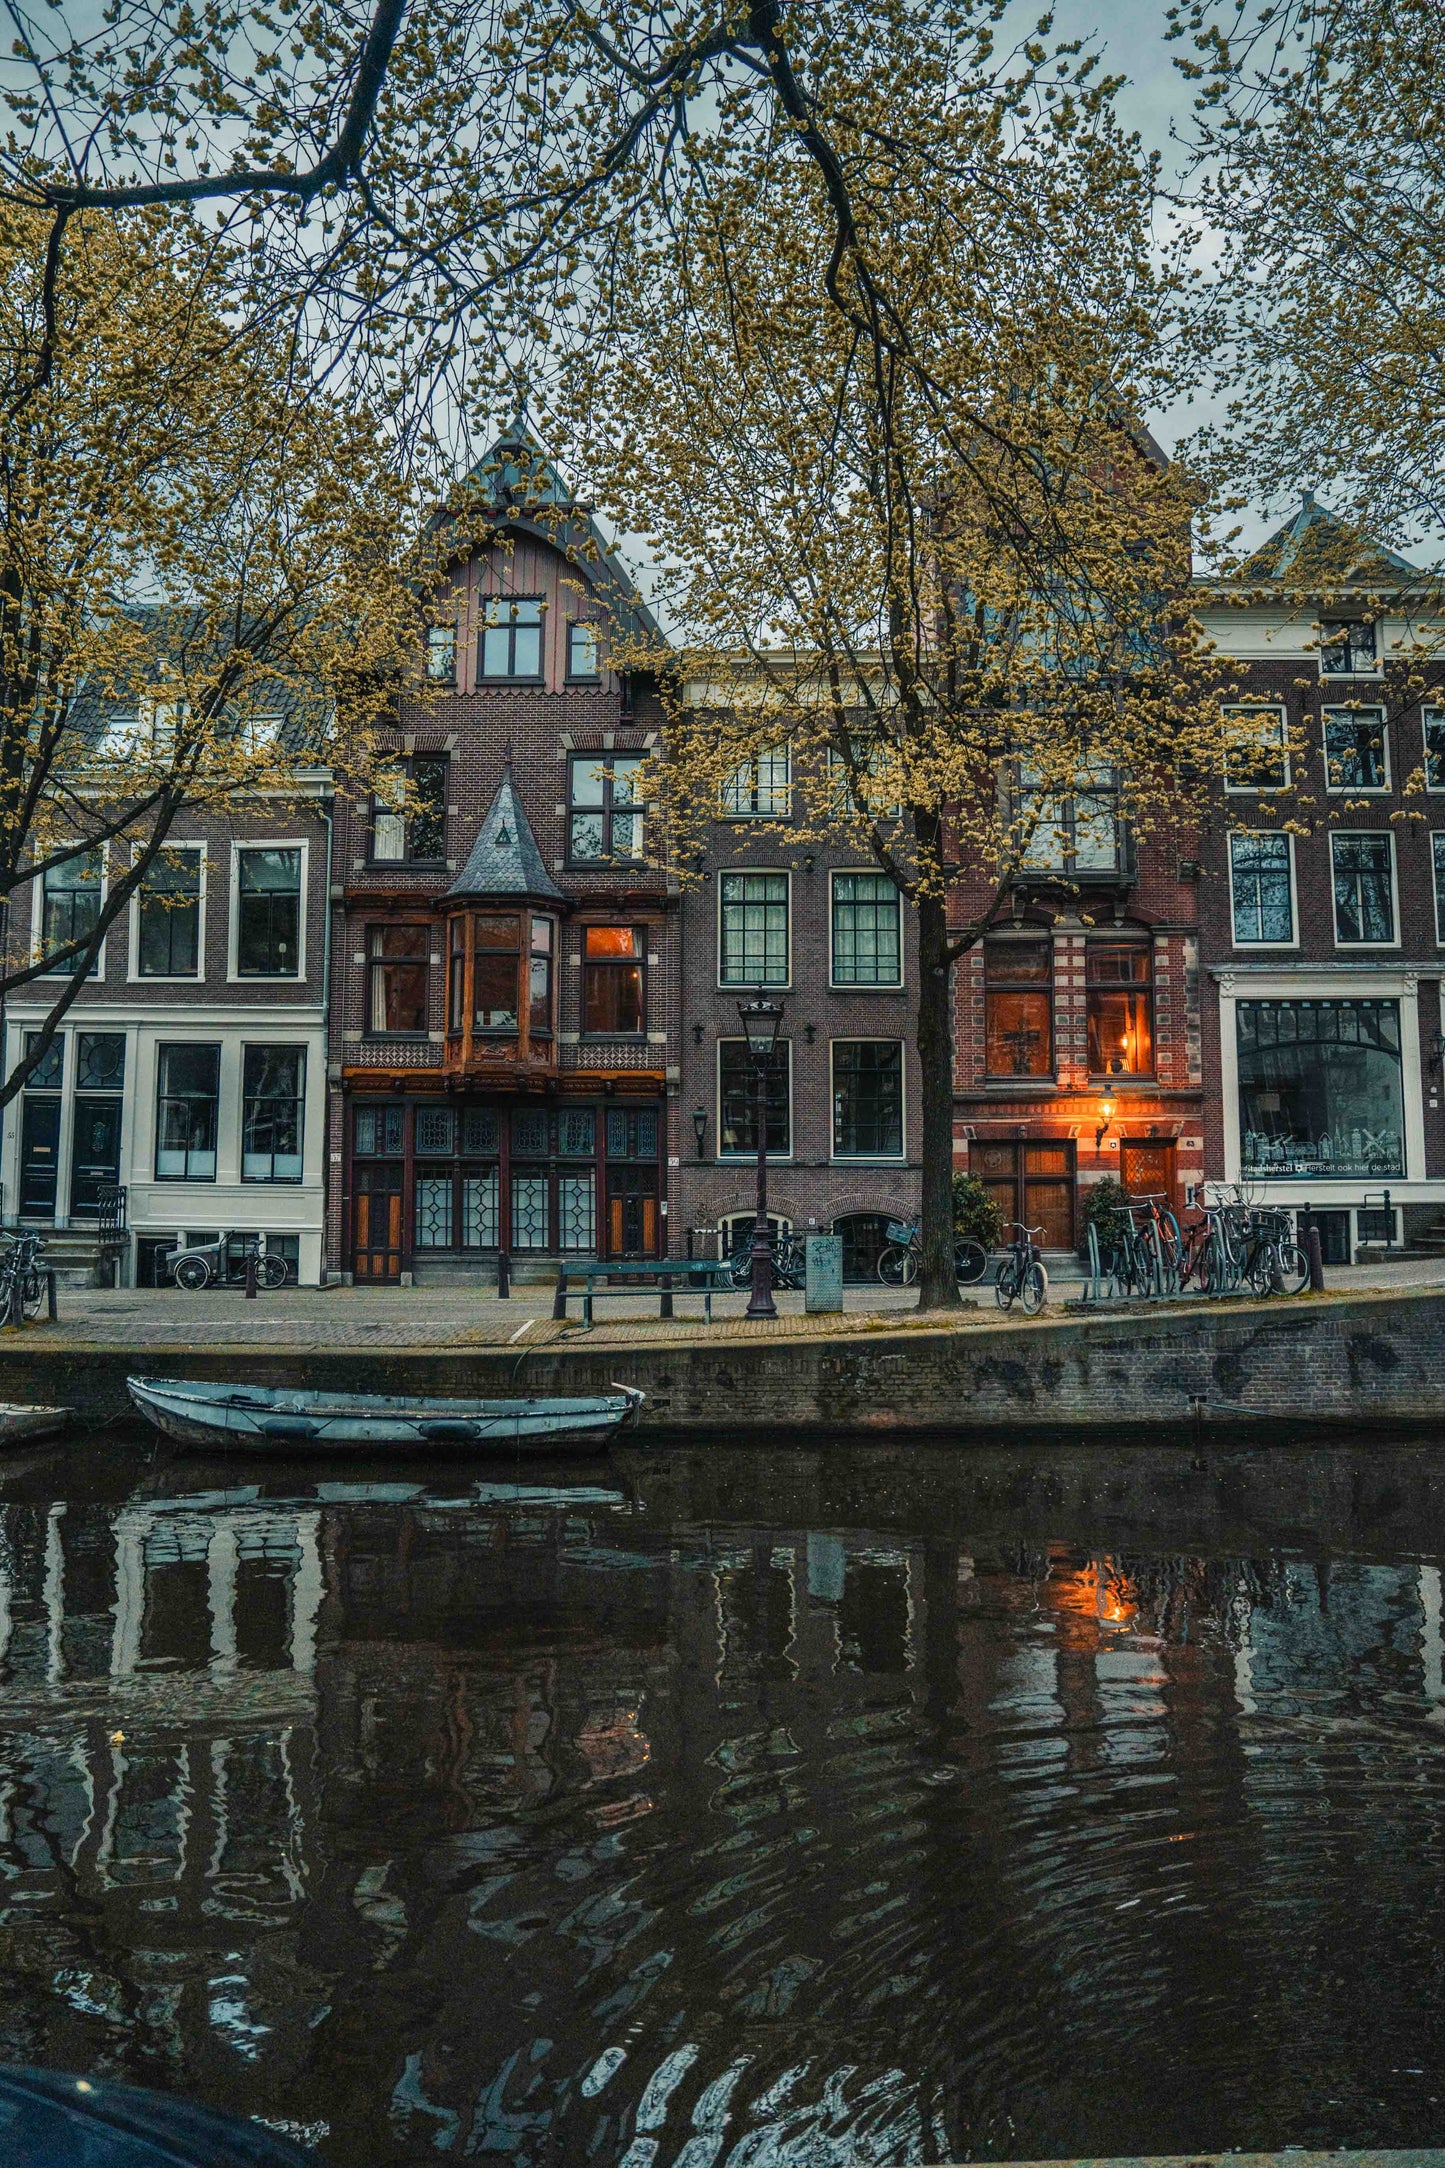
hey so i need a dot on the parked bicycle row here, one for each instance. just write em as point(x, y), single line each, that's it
point(1142, 1249)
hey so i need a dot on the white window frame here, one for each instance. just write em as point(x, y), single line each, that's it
point(753, 763)
point(1433, 790)
point(1357, 790)
point(1281, 717)
point(737, 986)
point(134, 976)
point(1236, 940)
point(233, 927)
point(1368, 948)
point(870, 1159)
point(37, 923)
point(749, 1158)
point(1337, 677)
point(1437, 837)
point(861, 986)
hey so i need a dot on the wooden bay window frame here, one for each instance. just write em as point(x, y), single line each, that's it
point(529, 938)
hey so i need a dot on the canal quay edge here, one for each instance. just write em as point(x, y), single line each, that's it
point(1363, 1361)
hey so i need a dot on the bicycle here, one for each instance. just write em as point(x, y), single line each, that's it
point(22, 1285)
point(790, 1262)
point(1021, 1276)
point(1274, 1263)
point(222, 1263)
point(898, 1263)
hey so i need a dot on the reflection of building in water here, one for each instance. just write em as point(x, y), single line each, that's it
point(552, 1831)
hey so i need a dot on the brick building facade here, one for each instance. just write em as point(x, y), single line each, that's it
point(1323, 897)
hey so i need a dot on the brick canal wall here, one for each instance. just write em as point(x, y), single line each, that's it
point(1365, 1360)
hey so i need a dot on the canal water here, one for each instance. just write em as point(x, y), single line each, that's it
point(735, 1808)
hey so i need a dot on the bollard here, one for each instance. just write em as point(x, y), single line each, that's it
point(250, 1275)
point(559, 1300)
point(504, 1276)
point(50, 1309)
point(664, 1303)
point(1317, 1262)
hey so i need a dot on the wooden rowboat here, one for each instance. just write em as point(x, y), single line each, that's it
point(258, 1420)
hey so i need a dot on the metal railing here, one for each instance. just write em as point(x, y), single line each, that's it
point(112, 1208)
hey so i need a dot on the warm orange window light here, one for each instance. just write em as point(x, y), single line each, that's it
point(613, 944)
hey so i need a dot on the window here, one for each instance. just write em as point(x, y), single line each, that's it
point(753, 944)
point(738, 1101)
point(1260, 889)
point(848, 793)
point(1320, 1089)
point(396, 964)
point(539, 1018)
point(441, 654)
point(867, 1099)
point(612, 981)
point(761, 788)
point(272, 1113)
point(169, 917)
point(1018, 1006)
point(1348, 649)
point(1356, 749)
point(268, 919)
point(409, 812)
point(1078, 832)
point(512, 637)
point(377, 1132)
point(584, 654)
point(1434, 727)
point(188, 1084)
point(1437, 845)
point(1364, 889)
point(100, 1061)
point(1119, 992)
point(496, 959)
point(1256, 749)
point(70, 906)
point(867, 931)
point(605, 810)
point(49, 1071)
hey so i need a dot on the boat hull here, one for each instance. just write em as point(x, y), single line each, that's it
point(252, 1420)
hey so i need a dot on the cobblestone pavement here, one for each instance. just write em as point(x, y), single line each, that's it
point(473, 1317)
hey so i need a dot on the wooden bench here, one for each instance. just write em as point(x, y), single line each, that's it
point(690, 1275)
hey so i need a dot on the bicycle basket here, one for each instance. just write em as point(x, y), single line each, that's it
point(898, 1231)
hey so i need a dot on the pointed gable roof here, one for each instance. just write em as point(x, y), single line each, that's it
point(1317, 550)
point(505, 860)
point(516, 485)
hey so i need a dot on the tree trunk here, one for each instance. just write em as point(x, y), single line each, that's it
point(937, 1281)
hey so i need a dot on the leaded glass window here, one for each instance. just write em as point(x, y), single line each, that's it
point(576, 1209)
point(481, 1131)
point(530, 1214)
point(577, 1132)
point(479, 1211)
point(436, 1129)
point(529, 1129)
point(433, 1211)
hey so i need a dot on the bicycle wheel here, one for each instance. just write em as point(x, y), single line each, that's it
point(271, 1271)
point(740, 1266)
point(33, 1295)
point(1035, 1292)
point(970, 1262)
point(1260, 1271)
point(1294, 1268)
point(897, 1267)
point(1006, 1286)
point(192, 1273)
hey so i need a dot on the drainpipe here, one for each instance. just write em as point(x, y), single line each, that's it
point(324, 810)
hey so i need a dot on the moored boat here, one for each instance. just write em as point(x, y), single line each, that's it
point(258, 1419)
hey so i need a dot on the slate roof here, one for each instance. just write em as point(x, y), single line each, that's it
point(1317, 549)
point(505, 860)
point(518, 485)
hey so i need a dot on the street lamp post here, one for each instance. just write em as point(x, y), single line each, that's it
point(760, 1020)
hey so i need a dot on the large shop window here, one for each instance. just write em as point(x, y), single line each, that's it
point(188, 1089)
point(272, 1113)
point(409, 813)
point(512, 637)
point(604, 808)
point(1119, 988)
point(753, 929)
point(1018, 1007)
point(396, 962)
point(70, 906)
point(867, 931)
point(268, 929)
point(738, 1101)
point(1320, 1089)
point(1357, 753)
point(169, 911)
point(1364, 889)
point(1260, 891)
point(867, 1099)
point(612, 1004)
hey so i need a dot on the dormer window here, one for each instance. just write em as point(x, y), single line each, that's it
point(1348, 648)
point(512, 638)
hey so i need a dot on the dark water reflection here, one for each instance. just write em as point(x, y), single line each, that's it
point(739, 1809)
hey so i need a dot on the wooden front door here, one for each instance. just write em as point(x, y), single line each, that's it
point(1032, 1182)
point(632, 1217)
point(376, 1224)
point(1146, 1169)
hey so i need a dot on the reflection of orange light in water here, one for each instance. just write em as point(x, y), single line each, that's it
point(1118, 1602)
point(614, 1745)
point(1099, 1589)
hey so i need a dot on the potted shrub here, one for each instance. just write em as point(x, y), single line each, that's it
point(1105, 1212)
point(976, 1217)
